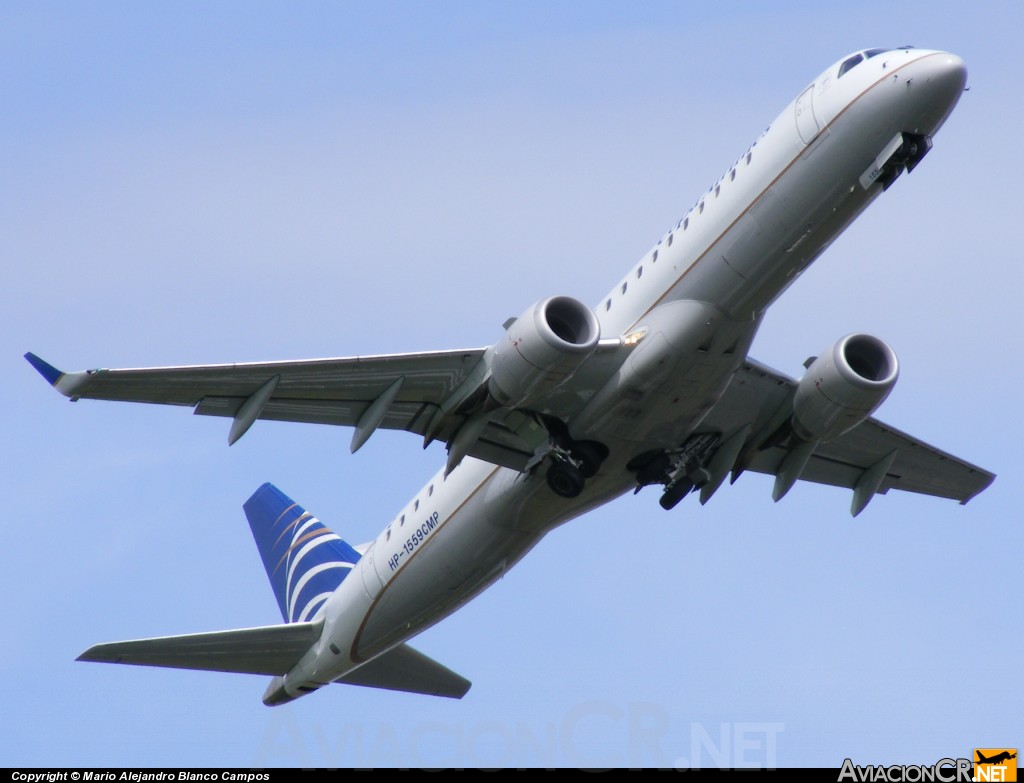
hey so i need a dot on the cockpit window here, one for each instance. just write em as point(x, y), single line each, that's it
point(874, 53)
point(850, 62)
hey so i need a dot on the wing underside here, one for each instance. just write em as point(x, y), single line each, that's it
point(758, 393)
point(340, 391)
point(410, 392)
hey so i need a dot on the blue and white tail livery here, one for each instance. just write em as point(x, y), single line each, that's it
point(305, 560)
point(306, 563)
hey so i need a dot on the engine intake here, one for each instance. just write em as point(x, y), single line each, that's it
point(843, 386)
point(542, 349)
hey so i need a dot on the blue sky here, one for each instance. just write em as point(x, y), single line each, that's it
point(189, 183)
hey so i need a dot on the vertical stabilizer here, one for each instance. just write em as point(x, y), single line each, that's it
point(305, 561)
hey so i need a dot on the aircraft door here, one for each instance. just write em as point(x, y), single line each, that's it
point(806, 122)
point(371, 582)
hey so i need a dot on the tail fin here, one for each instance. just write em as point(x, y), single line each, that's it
point(305, 561)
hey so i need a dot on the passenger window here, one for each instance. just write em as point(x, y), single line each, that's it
point(701, 210)
point(639, 272)
point(624, 288)
point(732, 175)
point(401, 521)
point(718, 188)
point(686, 224)
point(655, 256)
point(416, 505)
point(670, 240)
point(749, 156)
point(608, 305)
point(430, 491)
point(850, 62)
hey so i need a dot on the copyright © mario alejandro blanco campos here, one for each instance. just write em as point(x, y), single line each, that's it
point(139, 776)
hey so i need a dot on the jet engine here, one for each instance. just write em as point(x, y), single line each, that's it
point(843, 386)
point(542, 349)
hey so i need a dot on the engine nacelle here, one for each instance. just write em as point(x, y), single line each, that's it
point(542, 349)
point(843, 386)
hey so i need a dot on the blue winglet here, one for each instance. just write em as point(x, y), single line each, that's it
point(48, 371)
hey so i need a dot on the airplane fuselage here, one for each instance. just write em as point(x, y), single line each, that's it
point(695, 301)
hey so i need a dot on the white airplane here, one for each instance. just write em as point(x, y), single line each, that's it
point(575, 406)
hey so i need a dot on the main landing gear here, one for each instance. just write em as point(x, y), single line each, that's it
point(572, 466)
point(680, 471)
point(572, 461)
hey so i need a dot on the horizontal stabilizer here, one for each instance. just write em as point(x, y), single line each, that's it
point(273, 649)
point(407, 669)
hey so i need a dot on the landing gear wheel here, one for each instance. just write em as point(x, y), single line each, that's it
point(590, 455)
point(675, 493)
point(565, 479)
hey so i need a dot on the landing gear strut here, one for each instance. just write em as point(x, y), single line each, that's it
point(590, 454)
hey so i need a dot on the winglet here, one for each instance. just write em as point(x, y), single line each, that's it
point(70, 384)
point(48, 371)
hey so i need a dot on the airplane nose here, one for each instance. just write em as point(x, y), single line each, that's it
point(945, 76)
point(936, 84)
point(949, 74)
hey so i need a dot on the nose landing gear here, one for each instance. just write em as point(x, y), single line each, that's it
point(910, 149)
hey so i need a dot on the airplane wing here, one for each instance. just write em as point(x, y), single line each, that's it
point(394, 391)
point(871, 458)
point(406, 391)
